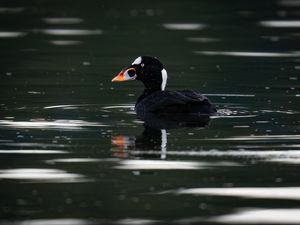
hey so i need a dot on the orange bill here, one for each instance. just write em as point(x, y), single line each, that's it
point(120, 77)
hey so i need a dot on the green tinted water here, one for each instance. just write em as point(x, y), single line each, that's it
point(72, 150)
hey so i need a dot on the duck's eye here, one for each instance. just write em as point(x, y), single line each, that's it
point(131, 72)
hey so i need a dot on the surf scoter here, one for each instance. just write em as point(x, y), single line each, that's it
point(155, 99)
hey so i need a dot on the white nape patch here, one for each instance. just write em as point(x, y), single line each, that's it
point(164, 142)
point(137, 61)
point(164, 76)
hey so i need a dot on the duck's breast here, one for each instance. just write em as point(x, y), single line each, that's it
point(185, 101)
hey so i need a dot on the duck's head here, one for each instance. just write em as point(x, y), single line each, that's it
point(147, 69)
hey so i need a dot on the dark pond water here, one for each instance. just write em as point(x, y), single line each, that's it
point(72, 150)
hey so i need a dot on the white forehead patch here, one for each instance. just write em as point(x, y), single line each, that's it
point(137, 61)
point(164, 77)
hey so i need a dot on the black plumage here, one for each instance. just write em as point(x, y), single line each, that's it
point(184, 101)
point(155, 99)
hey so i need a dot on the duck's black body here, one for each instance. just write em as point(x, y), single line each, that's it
point(165, 102)
point(155, 99)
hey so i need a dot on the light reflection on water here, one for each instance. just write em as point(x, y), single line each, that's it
point(75, 221)
point(65, 42)
point(41, 124)
point(184, 26)
point(271, 155)
point(33, 151)
point(168, 165)
point(81, 160)
point(289, 3)
point(257, 138)
point(61, 20)
point(61, 106)
point(73, 149)
point(261, 216)
point(202, 39)
point(11, 34)
point(12, 10)
point(71, 32)
point(41, 175)
point(281, 24)
point(63, 221)
point(250, 54)
point(291, 193)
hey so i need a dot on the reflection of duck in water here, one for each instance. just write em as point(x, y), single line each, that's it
point(151, 140)
point(155, 99)
point(154, 137)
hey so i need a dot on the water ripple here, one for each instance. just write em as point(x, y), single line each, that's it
point(43, 124)
point(41, 175)
point(168, 165)
point(65, 42)
point(11, 9)
point(281, 23)
point(258, 138)
point(266, 154)
point(81, 160)
point(61, 106)
point(63, 221)
point(71, 32)
point(202, 39)
point(11, 34)
point(77, 221)
point(184, 26)
point(125, 106)
point(34, 151)
point(290, 3)
point(249, 54)
point(230, 95)
point(62, 20)
point(290, 193)
point(261, 216)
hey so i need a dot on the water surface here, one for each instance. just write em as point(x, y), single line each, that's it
point(74, 152)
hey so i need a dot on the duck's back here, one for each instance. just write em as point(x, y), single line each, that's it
point(184, 101)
